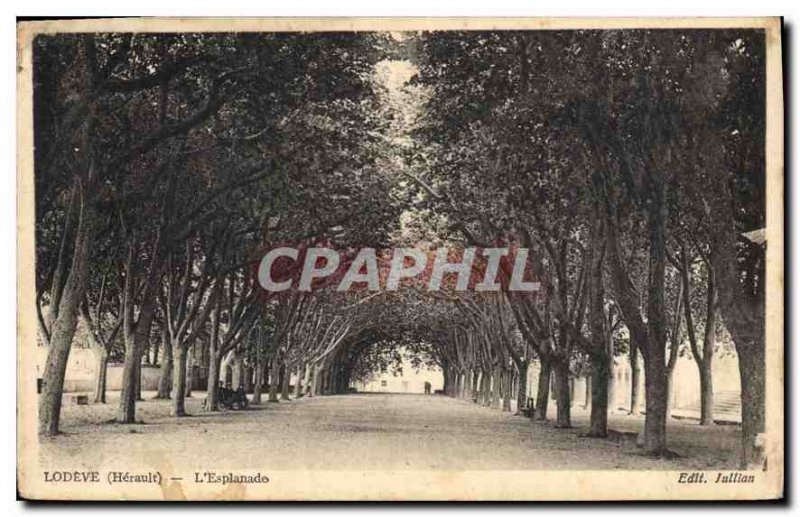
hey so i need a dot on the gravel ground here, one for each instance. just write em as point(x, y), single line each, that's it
point(365, 432)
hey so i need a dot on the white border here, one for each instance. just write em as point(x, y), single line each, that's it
point(788, 9)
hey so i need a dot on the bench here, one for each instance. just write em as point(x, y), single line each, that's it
point(529, 408)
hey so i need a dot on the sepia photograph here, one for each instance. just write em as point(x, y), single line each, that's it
point(400, 259)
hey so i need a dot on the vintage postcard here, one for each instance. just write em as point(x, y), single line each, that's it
point(406, 259)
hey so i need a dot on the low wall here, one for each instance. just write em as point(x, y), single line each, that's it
point(686, 381)
point(81, 371)
point(150, 375)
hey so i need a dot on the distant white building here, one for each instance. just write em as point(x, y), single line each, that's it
point(408, 381)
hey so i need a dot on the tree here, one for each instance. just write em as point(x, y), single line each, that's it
point(183, 296)
point(102, 318)
point(67, 278)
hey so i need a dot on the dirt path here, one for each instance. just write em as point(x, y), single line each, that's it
point(363, 432)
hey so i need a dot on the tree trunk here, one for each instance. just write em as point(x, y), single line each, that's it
point(127, 396)
point(675, 342)
point(487, 388)
point(450, 381)
point(500, 388)
point(133, 355)
point(248, 379)
point(67, 303)
point(598, 422)
point(165, 374)
point(742, 304)
point(704, 366)
point(513, 386)
point(655, 421)
point(101, 374)
point(190, 371)
point(597, 381)
point(212, 390)
point(587, 390)
point(340, 386)
point(285, 381)
point(63, 331)
point(307, 380)
point(743, 314)
point(469, 393)
point(238, 369)
point(258, 382)
point(543, 389)
point(751, 371)
point(335, 382)
point(706, 392)
point(214, 360)
point(496, 380)
point(274, 379)
point(313, 380)
point(323, 381)
point(670, 383)
point(522, 386)
point(156, 346)
point(505, 378)
point(179, 360)
point(612, 375)
point(326, 381)
point(298, 385)
point(635, 382)
point(571, 382)
point(561, 371)
point(139, 397)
